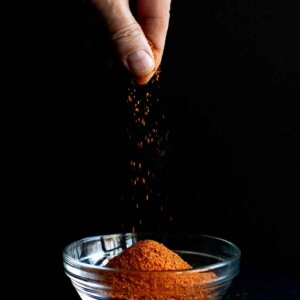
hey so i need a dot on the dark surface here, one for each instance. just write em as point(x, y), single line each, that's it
point(230, 91)
point(269, 283)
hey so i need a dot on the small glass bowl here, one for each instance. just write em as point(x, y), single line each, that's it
point(84, 263)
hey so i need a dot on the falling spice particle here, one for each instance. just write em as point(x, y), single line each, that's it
point(147, 139)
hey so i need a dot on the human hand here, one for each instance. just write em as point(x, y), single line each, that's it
point(138, 36)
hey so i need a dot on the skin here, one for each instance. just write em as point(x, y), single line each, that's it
point(132, 33)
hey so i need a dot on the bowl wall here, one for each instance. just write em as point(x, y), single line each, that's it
point(84, 263)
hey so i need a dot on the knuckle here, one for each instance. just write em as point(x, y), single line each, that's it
point(127, 33)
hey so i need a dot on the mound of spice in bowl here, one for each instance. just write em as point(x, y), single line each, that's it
point(150, 270)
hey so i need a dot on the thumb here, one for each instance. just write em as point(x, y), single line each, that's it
point(129, 41)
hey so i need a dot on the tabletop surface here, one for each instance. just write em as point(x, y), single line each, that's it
point(255, 283)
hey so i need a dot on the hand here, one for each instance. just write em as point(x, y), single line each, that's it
point(137, 37)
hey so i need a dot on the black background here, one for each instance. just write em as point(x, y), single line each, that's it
point(230, 90)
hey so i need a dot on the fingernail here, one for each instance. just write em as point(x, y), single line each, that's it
point(140, 62)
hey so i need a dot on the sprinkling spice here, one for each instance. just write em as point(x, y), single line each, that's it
point(147, 139)
point(150, 270)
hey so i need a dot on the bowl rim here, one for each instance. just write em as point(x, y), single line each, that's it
point(235, 257)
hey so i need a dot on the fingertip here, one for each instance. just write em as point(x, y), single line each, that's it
point(142, 80)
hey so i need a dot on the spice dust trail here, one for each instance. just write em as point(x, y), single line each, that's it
point(147, 140)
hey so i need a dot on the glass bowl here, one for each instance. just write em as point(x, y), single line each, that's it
point(84, 263)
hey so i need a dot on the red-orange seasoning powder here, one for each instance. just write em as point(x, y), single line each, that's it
point(167, 280)
point(148, 255)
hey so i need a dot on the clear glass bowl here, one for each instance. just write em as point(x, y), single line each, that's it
point(84, 263)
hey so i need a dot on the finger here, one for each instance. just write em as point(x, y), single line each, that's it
point(128, 38)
